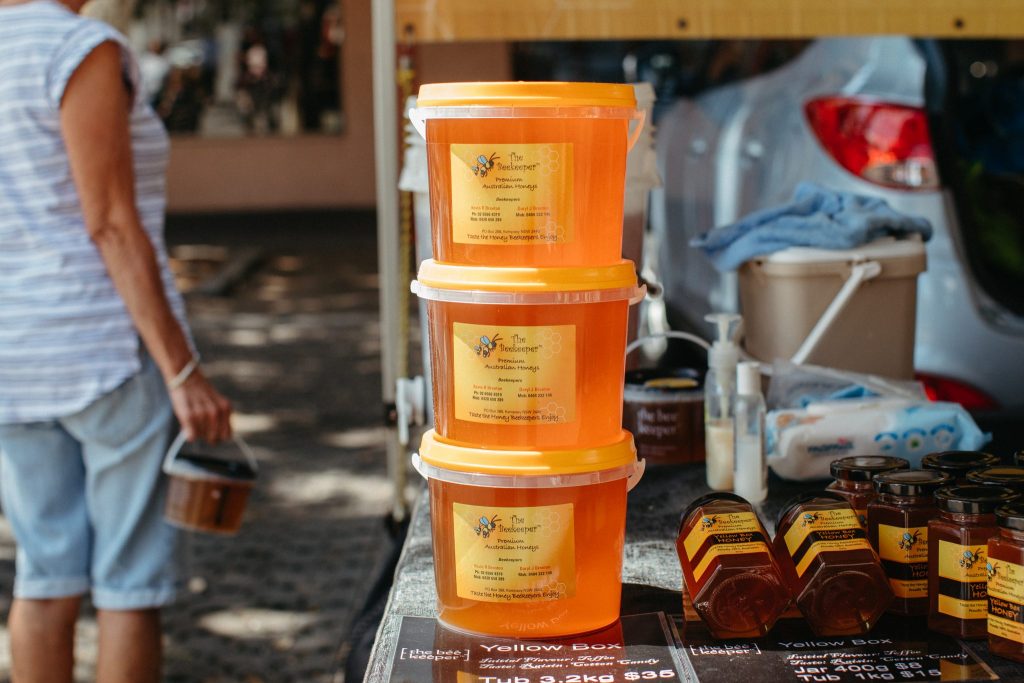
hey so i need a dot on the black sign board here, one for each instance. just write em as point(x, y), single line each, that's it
point(636, 648)
point(894, 651)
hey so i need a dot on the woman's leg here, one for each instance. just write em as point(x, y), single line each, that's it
point(43, 639)
point(129, 644)
point(42, 485)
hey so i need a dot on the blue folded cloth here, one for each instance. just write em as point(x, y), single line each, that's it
point(816, 217)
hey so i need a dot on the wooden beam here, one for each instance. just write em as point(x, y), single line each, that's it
point(432, 21)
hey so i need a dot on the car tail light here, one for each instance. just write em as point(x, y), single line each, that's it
point(886, 144)
point(953, 390)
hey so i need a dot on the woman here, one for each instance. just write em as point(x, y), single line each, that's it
point(95, 358)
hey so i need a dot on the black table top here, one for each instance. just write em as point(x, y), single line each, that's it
point(652, 579)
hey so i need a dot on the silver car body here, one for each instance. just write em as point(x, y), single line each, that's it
point(745, 146)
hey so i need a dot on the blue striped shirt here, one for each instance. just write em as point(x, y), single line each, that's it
point(66, 338)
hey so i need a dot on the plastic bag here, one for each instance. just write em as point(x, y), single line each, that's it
point(797, 386)
point(802, 443)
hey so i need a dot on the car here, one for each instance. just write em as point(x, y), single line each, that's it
point(885, 116)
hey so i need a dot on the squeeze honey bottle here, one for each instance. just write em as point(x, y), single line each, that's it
point(898, 529)
point(958, 463)
point(957, 554)
point(728, 567)
point(831, 569)
point(1005, 570)
point(853, 477)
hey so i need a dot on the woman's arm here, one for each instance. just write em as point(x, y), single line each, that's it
point(95, 120)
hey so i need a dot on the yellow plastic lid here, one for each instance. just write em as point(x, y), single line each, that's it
point(435, 452)
point(526, 94)
point(621, 275)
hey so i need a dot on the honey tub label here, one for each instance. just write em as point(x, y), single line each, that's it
point(962, 580)
point(730, 533)
point(904, 555)
point(512, 194)
point(1005, 599)
point(818, 531)
point(514, 375)
point(514, 554)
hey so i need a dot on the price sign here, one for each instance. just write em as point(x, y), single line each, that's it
point(636, 648)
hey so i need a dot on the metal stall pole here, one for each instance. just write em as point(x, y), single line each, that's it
point(385, 134)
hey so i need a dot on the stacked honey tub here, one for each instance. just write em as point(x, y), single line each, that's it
point(527, 299)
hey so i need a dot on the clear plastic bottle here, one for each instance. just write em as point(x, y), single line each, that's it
point(750, 471)
point(719, 403)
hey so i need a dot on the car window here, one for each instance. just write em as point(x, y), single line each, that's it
point(982, 141)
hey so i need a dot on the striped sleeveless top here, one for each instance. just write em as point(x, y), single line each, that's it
point(66, 338)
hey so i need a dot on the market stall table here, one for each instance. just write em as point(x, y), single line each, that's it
point(652, 582)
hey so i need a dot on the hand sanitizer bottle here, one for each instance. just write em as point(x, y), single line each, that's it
point(750, 479)
point(719, 400)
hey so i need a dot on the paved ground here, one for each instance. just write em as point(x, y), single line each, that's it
point(295, 345)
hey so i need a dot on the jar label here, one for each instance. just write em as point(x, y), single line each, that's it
point(904, 555)
point(1005, 599)
point(512, 194)
point(962, 580)
point(818, 531)
point(514, 554)
point(514, 375)
point(731, 533)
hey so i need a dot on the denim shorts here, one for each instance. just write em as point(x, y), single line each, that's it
point(85, 494)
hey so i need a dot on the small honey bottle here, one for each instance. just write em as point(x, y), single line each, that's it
point(1005, 570)
point(957, 555)
point(832, 571)
point(729, 569)
point(853, 479)
point(898, 529)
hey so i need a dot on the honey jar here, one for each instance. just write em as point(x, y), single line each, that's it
point(728, 567)
point(853, 477)
point(957, 555)
point(1005, 580)
point(831, 570)
point(898, 530)
point(958, 463)
point(1010, 476)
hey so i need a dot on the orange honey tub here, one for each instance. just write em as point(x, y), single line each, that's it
point(527, 174)
point(527, 357)
point(528, 544)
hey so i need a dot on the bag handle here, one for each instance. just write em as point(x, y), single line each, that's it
point(179, 441)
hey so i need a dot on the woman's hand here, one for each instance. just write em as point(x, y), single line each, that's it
point(203, 412)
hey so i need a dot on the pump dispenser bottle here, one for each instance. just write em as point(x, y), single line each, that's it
point(719, 402)
point(750, 478)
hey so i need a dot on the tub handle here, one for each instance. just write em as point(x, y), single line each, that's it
point(417, 464)
point(640, 117)
point(418, 122)
point(636, 475)
point(179, 441)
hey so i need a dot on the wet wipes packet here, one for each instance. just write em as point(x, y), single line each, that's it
point(802, 443)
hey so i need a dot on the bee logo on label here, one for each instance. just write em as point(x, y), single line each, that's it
point(992, 569)
point(487, 345)
point(810, 518)
point(708, 522)
point(484, 164)
point(909, 540)
point(969, 558)
point(485, 526)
